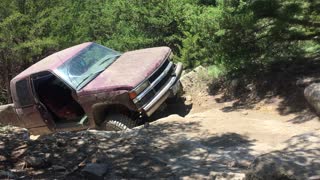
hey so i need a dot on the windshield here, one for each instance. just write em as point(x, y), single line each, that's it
point(86, 65)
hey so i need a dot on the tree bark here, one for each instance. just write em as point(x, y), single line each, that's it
point(6, 76)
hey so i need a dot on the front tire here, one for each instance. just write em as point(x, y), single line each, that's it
point(118, 122)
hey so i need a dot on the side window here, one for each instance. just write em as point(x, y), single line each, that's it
point(23, 93)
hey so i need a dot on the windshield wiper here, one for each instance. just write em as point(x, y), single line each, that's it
point(92, 75)
point(108, 58)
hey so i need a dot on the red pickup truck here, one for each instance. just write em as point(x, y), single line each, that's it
point(92, 86)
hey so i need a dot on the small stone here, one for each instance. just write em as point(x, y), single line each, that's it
point(2, 158)
point(18, 153)
point(232, 164)
point(230, 176)
point(35, 162)
point(61, 143)
point(6, 175)
point(243, 163)
point(188, 98)
point(72, 150)
point(95, 171)
point(312, 95)
point(58, 168)
point(81, 142)
point(56, 155)
point(74, 138)
point(306, 81)
point(34, 137)
point(47, 155)
point(245, 113)
point(314, 177)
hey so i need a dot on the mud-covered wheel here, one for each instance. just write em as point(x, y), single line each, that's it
point(118, 122)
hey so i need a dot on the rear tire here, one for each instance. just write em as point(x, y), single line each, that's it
point(118, 122)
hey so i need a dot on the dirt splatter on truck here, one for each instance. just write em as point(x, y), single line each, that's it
point(92, 86)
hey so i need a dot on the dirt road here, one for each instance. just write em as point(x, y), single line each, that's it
point(227, 141)
point(266, 131)
point(202, 145)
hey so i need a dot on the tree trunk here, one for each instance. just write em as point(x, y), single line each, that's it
point(6, 76)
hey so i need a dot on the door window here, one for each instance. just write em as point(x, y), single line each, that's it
point(23, 93)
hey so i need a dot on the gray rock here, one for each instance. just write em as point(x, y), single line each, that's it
point(200, 69)
point(58, 168)
point(314, 177)
point(19, 133)
point(269, 167)
point(312, 95)
point(306, 81)
point(2, 158)
point(245, 113)
point(6, 175)
point(95, 170)
point(8, 116)
point(229, 176)
point(233, 87)
point(61, 143)
point(35, 162)
point(188, 98)
point(195, 81)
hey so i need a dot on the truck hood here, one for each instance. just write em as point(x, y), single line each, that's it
point(128, 70)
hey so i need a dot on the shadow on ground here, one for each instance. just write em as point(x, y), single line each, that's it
point(277, 85)
point(174, 106)
point(299, 160)
point(163, 150)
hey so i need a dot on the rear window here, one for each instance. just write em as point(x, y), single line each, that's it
point(23, 93)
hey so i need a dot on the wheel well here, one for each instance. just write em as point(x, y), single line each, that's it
point(102, 111)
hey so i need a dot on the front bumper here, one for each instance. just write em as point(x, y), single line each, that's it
point(170, 88)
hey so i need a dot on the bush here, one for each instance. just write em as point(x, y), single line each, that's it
point(216, 71)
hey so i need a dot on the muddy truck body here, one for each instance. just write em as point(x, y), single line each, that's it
point(91, 86)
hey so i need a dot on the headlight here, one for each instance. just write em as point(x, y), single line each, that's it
point(141, 87)
point(136, 91)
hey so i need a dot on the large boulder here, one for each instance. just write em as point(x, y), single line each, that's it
point(8, 116)
point(306, 81)
point(195, 81)
point(195, 86)
point(312, 94)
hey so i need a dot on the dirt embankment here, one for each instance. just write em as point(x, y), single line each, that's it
point(209, 139)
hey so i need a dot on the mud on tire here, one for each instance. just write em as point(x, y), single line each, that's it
point(117, 122)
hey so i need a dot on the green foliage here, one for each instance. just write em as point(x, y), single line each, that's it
point(229, 36)
point(217, 71)
point(248, 35)
point(201, 32)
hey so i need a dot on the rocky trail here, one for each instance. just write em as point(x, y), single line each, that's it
point(198, 139)
point(201, 145)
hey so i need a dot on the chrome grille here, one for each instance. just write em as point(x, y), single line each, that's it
point(146, 99)
point(160, 70)
point(159, 86)
point(157, 81)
